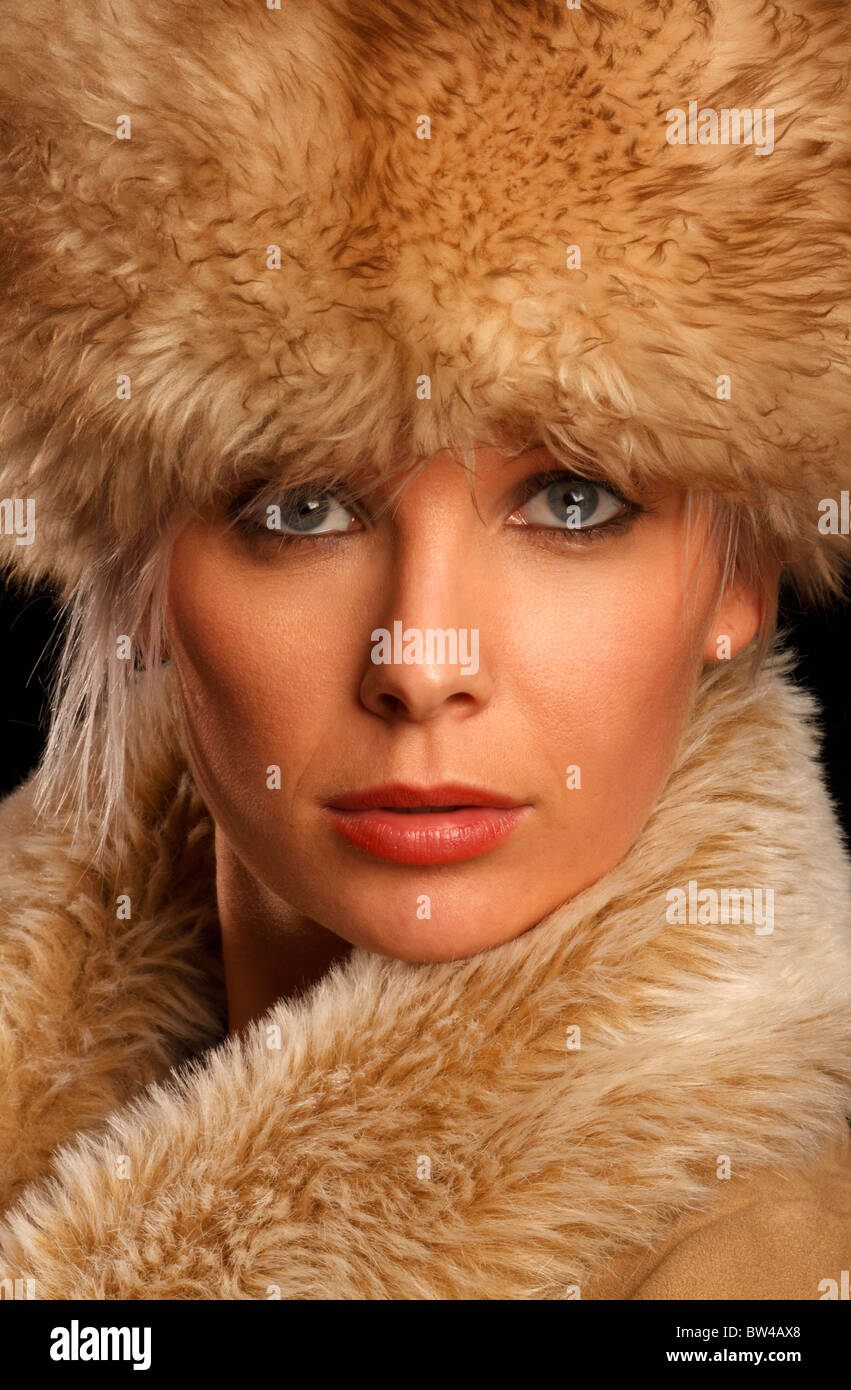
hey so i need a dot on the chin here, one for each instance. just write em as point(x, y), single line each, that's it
point(454, 931)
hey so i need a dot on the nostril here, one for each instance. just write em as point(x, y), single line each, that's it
point(391, 704)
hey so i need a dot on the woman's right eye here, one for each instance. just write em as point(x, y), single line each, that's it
point(300, 512)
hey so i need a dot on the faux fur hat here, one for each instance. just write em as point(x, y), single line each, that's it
point(308, 238)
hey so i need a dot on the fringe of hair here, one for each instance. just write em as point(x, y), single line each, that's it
point(96, 693)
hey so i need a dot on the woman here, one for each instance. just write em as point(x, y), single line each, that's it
point(430, 888)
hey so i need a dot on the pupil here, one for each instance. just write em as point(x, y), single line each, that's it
point(306, 512)
point(565, 497)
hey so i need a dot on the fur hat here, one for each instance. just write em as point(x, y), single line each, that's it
point(308, 239)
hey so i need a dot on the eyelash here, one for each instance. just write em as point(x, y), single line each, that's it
point(549, 535)
point(561, 536)
point(261, 494)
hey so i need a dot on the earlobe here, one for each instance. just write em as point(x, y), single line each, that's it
point(736, 621)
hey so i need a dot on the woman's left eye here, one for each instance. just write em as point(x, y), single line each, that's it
point(571, 504)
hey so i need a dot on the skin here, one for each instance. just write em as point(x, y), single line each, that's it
point(589, 653)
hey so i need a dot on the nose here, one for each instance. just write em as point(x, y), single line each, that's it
point(416, 673)
point(427, 654)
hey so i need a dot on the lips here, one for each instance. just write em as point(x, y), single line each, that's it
point(441, 824)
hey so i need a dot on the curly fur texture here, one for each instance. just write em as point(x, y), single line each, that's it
point(401, 256)
point(300, 1168)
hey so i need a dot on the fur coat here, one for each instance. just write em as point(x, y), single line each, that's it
point(612, 1105)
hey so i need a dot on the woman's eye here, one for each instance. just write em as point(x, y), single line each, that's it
point(297, 513)
point(572, 504)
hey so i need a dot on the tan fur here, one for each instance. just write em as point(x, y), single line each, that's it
point(300, 1169)
point(403, 257)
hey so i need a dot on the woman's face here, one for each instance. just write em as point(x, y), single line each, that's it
point(301, 639)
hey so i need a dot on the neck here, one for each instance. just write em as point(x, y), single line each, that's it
point(270, 951)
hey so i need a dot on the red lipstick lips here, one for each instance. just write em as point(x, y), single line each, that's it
point(425, 825)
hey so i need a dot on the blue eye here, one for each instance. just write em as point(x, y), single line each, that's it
point(296, 513)
point(305, 514)
point(572, 504)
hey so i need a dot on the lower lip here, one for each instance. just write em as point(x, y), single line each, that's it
point(428, 837)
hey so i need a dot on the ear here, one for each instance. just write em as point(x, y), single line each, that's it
point(736, 621)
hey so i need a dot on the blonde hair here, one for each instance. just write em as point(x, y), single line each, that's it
point(98, 696)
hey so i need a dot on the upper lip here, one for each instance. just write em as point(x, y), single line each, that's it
point(406, 794)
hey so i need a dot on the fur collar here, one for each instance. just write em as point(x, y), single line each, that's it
point(421, 1131)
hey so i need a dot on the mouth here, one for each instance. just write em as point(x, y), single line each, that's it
point(426, 825)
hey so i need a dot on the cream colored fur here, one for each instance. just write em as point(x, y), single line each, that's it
point(301, 1170)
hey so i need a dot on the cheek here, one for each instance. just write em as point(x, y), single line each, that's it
point(251, 671)
point(611, 680)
